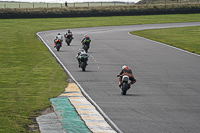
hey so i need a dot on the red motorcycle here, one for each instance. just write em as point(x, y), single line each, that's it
point(58, 43)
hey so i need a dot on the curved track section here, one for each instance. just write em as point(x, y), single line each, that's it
point(166, 96)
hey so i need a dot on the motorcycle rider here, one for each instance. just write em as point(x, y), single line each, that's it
point(86, 40)
point(68, 34)
point(126, 71)
point(80, 54)
point(58, 37)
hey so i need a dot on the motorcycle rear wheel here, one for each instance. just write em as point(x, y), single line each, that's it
point(124, 88)
point(86, 47)
point(68, 41)
point(83, 66)
point(58, 47)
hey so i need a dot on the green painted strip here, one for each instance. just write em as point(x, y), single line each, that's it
point(71, 121)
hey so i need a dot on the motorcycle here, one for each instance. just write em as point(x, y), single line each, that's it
point(83, 62)
point(58, 44)
point(125, 84)
point(68, 40)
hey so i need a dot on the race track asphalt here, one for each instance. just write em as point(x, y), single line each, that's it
point(166, 96)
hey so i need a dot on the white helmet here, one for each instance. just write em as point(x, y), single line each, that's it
point(124, 66)
point(81, 50)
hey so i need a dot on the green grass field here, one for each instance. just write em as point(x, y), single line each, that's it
point(30, 75)
point(186, 38)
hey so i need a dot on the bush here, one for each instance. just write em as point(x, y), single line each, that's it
point(100, 11)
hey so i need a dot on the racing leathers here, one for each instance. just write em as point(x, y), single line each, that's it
point(81, 54)
point(86, 41)
point(69, 35)
point(58, 38)
point(126, 71)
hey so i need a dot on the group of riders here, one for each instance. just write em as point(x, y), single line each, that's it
point(82, 52)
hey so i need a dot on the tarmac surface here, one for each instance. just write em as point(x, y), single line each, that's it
point(166, 96)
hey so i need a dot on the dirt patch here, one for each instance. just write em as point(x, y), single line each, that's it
point(47, 110)
point(33, 128)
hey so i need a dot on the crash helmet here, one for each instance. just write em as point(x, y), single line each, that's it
point(124, 66)
point(81, 50)
point(86, 36)
point(68, 31)
point(58, 33)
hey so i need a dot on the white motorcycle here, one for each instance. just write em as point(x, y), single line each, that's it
point(83, 62)
point(125, 84)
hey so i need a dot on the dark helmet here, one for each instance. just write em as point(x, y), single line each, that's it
point(68, 31)
point(58, 33)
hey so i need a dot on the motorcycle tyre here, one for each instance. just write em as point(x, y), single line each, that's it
point(68, 41)
point(83, 66)
point(58, 47)
point(86, 47)
point(124, 88)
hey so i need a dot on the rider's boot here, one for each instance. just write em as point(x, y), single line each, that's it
point(120, 84)
point(120, 81)
point(129, 85)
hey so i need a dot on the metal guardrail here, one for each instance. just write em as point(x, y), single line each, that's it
point(51, 5)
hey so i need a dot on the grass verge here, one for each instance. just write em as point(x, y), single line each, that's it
point(186, 38)
point(30, 75)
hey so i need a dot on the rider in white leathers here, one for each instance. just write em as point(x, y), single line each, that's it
point(58, 37)
point(80, 54)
